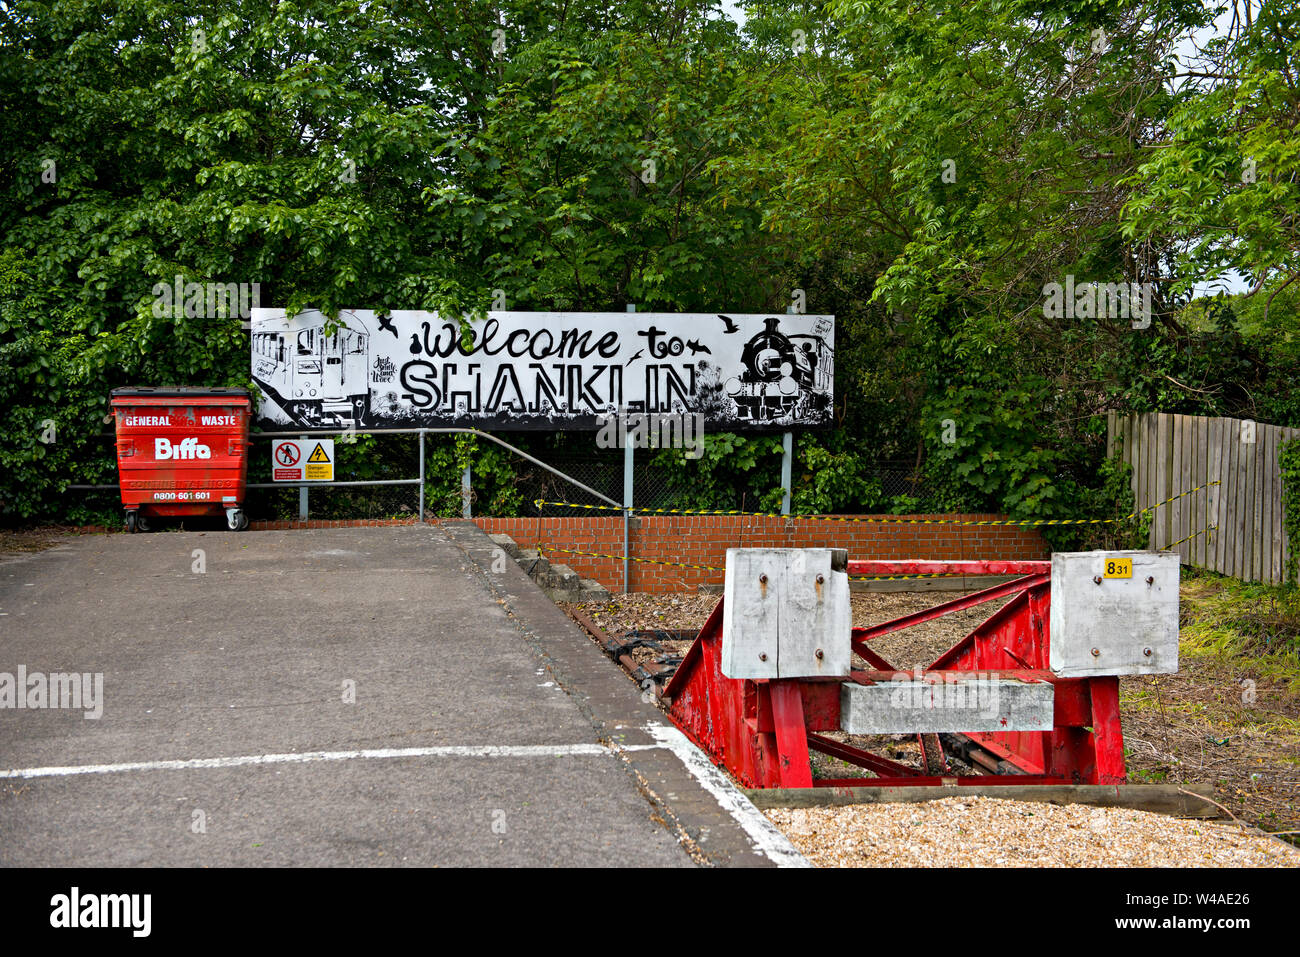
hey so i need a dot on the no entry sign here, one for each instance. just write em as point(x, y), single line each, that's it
point(302, 460)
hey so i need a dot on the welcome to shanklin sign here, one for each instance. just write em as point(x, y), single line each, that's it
point(542, 370)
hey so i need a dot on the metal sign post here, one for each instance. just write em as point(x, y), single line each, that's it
point(628, 456)
point(302, 494)
point(787, 457)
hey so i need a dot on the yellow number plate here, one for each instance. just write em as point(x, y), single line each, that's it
point(1118, 568)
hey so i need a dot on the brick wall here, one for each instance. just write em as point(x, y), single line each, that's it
point(704, 540)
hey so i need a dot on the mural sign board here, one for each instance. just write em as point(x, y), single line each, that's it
point(542, 370)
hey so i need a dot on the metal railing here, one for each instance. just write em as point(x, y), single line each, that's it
point(465, 479)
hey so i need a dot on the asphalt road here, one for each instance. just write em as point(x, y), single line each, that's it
point(352, 696)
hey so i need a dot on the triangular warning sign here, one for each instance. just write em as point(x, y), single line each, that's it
point(318, 455)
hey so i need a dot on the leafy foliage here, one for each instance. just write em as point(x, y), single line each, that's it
point(922, 171)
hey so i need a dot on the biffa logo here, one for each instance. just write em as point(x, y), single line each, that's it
point(185, 449)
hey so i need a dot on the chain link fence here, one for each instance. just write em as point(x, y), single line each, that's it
point(897, 478)
point(602, 470)
point(509, 488)
point(651, 488)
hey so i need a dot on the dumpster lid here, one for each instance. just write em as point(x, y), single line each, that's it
point(182, 391)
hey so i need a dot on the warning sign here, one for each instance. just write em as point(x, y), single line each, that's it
point(302, 460)
point(320, 464)
point(286, 461)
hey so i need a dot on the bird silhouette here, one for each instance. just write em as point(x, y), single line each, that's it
point(386, 322)
point(696, 348)
point(731, 326)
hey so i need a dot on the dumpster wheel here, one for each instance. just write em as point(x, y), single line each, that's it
point(136, 522)
point(236, 520)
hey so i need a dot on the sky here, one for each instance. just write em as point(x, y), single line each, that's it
point(1230, 282)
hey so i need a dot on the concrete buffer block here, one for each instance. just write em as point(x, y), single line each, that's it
point(1114, 613)
point(786, 613)
point(957, 701)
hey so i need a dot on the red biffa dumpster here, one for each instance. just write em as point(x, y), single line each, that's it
point(182, 451)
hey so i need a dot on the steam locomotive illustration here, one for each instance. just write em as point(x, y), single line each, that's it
point(784, 375)
point(319, 380)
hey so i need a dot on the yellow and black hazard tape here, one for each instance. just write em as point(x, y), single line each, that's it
point(1208, 528)
point(619, 558)
point(877, 520)
point(714, 568)
point(899, 578)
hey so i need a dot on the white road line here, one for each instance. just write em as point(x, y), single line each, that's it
point(766, 836)
point(307, 757)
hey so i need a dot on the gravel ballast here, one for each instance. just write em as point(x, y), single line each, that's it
point(993, 832)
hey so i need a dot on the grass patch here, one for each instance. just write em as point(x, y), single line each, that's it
point(1257, 627)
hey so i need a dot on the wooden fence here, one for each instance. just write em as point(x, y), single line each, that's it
point(1233, 527)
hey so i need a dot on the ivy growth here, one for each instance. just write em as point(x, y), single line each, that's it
point(1289, 462)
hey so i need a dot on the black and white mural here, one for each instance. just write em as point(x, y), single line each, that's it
point(542, 370)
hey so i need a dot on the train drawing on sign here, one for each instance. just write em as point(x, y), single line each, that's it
point(318, 380)
point(783, 373)
point(516, 370)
